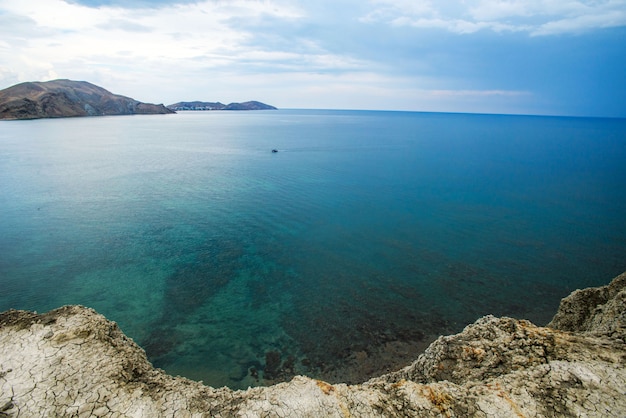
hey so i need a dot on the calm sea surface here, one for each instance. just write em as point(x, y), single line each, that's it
point(367, 234)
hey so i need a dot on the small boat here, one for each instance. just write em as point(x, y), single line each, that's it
point(274, 150)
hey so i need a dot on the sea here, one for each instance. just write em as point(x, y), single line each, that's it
point(366, 236)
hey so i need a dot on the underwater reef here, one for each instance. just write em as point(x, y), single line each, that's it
point(72, 361)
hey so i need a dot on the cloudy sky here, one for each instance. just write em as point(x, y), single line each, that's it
point(558, 57)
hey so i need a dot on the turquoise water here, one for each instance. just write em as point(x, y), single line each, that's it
point(366, 231)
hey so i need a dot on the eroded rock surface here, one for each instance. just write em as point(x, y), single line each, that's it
point(74, 362)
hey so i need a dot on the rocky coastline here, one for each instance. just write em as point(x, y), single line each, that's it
point(72, 361)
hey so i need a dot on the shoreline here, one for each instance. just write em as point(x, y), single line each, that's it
point(72, 361)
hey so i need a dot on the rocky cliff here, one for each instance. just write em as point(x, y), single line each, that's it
point(74, 362)
point(67, 98)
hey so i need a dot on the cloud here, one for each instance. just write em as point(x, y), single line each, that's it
point(124, 25)
point(130, 4)
point(201, 43)
point(577, 24)
point(459, 26)
point(53, 14)
point(535, 17)
point(292, 53)
point(157, 36)
point(478, 93)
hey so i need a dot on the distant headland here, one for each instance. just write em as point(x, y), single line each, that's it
point(68, 98)
point(252, 105)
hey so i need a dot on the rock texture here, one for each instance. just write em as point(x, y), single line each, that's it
point(596, 310)
point(74, 362)
point(67, 98)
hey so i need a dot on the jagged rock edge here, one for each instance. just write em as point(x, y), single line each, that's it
point(74, 362)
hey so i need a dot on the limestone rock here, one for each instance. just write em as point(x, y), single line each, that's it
point(74, 362)
point(600, 310)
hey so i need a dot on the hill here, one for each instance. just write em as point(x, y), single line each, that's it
point(196, 105)
point(68, 98)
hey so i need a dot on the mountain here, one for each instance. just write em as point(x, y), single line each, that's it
point(252, 105)
point(67, 98)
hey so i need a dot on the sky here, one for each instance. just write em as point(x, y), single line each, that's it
point(545, 57)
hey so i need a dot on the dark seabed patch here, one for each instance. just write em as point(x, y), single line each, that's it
point(209, 268)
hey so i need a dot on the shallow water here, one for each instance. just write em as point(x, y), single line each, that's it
point(367, 234)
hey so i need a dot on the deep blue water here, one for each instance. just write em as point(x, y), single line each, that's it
point(367, 229)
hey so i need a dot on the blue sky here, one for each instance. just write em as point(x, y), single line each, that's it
point(556, 57)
